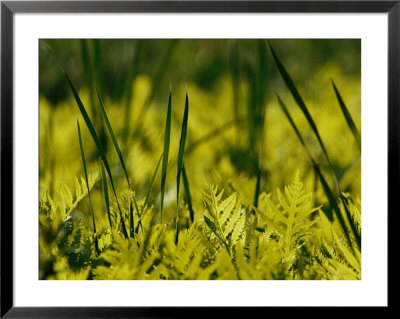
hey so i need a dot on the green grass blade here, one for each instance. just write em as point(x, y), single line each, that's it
point(258, 185)
point(96, 244)
point(259, 166)
point(299, 100)
point(105, 191)
point(182, 145)
point(100, 148)
point(88, 122)
point(290, 119)
point(327, 190)
point(166, 151)
point(188, 196)
point(348, 117)
point(181, 153)
point(113, 138)
point(153, 178)
point(121, 159)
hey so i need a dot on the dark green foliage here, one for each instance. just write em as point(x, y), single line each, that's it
point(105, 190)
point(99, 146)
point(347, 116)
point(167, 133)
point(182, 142)
point(297, 97)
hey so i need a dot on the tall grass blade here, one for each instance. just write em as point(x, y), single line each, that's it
point(290, 119)
point(121, 159)
point(328, 192)
point(348, 117)
point(182, 145)
point(188, 196)
point(166, 151)
point(113, 138)
point(299, 100)
point(180, 157)
point(105, 191)
point(89, 54)
point(259, 168)
point(96, 244)
point(100, 148)
point(153, 178)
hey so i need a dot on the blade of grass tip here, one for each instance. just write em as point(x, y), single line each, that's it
point(96, 244)
point(299, 100)
point(167, 134)
point(181, 153)
point(188, 197)
point(348, 117)
point(328, 192)
point(121, 159)
point(100, 148)
point(105, 191)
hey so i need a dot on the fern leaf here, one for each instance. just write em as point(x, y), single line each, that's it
point(232, 218)
point(239, 228)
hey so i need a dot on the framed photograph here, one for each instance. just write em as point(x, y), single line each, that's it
point(161, 156)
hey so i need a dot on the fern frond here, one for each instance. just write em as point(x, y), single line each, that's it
point(292, 219)
point(227, 217)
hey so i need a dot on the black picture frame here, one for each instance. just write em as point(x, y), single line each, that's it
point(9, 8)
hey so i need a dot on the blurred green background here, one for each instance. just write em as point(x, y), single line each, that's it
point(114, 63)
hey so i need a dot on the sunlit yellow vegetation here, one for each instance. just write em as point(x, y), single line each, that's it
point(288, 228)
